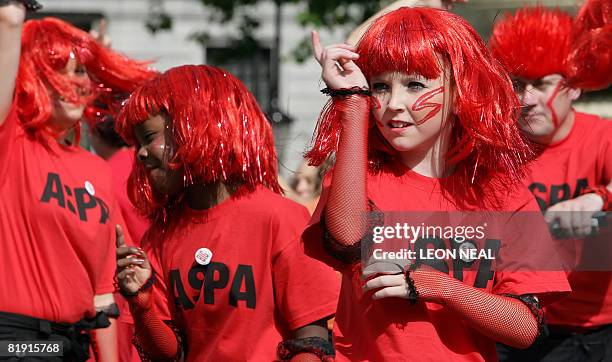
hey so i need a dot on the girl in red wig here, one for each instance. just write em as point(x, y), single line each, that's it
point(224, 276)
point(421, 119)
point(58, 215)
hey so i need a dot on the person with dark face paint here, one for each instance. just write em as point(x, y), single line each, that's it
point(223, 275)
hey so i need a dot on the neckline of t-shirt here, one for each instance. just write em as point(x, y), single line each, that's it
point(420, 181)
point(559, 144)
point(220, 209)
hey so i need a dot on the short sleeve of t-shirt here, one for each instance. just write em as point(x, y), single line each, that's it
point(539, 274)
point(306, 290)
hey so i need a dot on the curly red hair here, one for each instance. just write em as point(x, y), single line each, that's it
point(47, 44)
point(219, 132)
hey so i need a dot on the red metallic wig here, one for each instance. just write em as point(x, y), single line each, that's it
point(218, 131)
point(47, 44)
point(486, 140)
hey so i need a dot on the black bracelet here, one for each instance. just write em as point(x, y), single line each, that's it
point(30, 5)
point(413, 294)
point(343, 92)
point(147, 285)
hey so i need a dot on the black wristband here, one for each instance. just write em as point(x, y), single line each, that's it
point(147, 285)
point(30, 5)
point(343, 92)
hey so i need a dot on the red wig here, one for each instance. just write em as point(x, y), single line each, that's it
point(486, 138)
point(47, 44)
point(218, 131)
point(534, 42)
point(590, 61)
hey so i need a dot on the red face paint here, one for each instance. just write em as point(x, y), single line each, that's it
point(549, 104)
point(376, 105)
point(421, 104)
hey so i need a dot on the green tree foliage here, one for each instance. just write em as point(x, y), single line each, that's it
point(320, 14)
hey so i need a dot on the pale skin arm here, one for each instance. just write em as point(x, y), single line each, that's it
point(11, 23)
point(106, 338)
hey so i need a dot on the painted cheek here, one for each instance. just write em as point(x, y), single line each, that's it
point(376, 110)
point(549, 104)
point(421, 103)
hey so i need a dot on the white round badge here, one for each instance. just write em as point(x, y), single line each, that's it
point(203, 256)
point(90, 189)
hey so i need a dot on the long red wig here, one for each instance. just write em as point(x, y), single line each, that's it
point(47, 45)
point(218, 131)
point(486, 140)
point(536, 42)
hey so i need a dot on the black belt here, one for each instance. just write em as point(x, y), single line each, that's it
point(76, 334)
point(562, 330)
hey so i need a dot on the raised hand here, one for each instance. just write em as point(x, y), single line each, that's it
point(338, 67)
point(133, 267)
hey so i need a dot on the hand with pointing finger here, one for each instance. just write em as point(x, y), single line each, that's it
point(339, 70)
point(133, 267)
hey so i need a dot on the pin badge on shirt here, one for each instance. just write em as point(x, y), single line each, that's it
point(203, 256)
point(90, 188)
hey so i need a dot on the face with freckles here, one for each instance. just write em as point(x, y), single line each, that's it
point(154, 151)
point(413, 110)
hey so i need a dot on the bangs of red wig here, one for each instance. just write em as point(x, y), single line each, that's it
point(219, 132)
point(47, 45)
point(486, 138)
point(533, 42)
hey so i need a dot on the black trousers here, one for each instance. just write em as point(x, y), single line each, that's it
point(74, 337)
point(563, 346)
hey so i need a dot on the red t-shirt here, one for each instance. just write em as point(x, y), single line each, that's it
point(258, 286)
point(121, 165)
point(562, 172)
point(57, 221)
point(391, 329)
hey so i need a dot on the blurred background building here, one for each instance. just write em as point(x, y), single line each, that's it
point(287, 90)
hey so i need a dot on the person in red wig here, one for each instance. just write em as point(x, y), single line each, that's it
point(421, 119)
point(552, 58)
point(58, 214)
point(224, 275)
